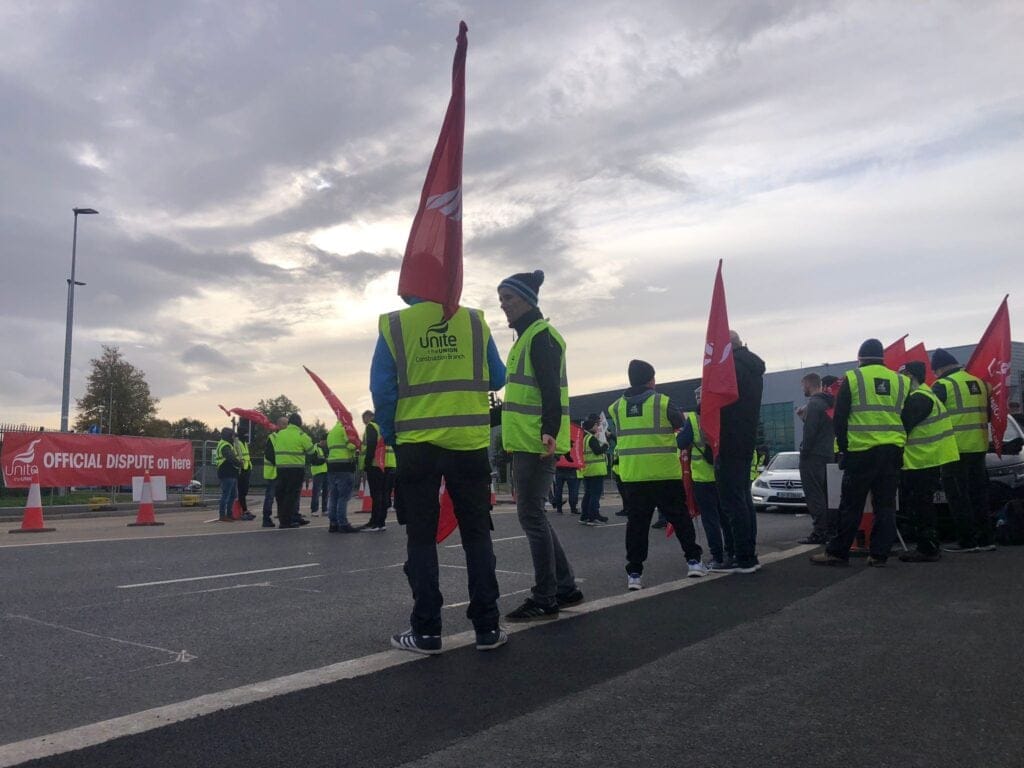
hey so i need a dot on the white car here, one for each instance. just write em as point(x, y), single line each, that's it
point(779, 484)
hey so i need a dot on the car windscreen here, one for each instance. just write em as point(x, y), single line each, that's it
point(785, 461)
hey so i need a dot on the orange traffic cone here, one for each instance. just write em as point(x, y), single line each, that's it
point(32, 522)
point(367, 505)
point(146, 515)
point(494, 493)
point(236, 510)
point(862, 541)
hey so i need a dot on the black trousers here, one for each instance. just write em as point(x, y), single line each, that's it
point(917, 499)
point(875, 471)
point(243, 488)
point(640, 500)
point(965, 484)
point(289, 487)
point(467, 476)
point(379, 511)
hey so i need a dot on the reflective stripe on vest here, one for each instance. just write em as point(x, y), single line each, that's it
point(317, 469)
point(595, 463)
point(338, 446)
point(218, 452)
point(701, 470)
point(443, 377)
point(291, 447)
point(521, 411)
point(242, 451)
point(875, 415)
point(269, 468)
point(968, 411)
point(647, 443)
point(932, 442)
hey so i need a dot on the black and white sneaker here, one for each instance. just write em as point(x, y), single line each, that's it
point(569, 598)
point(488, 641)
point(533, 611)
point(429, 645)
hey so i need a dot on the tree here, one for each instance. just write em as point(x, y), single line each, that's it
point(157, 428)
point(277, 407)
point(117, 397)
point(192, 429)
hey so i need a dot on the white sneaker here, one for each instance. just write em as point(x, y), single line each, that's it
point(634, 582)
point(695, 569)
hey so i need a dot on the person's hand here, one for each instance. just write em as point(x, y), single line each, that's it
point(549, 446)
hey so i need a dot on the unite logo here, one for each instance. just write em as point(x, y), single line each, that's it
point(437, 337)
point(449, 203)
point(22, 465)
point(709, 353)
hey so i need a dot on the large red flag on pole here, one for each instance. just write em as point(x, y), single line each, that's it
point(432, 268)
point(991, 363)
point(919, 354)
point(895, 354)
point(256, 417)
point(340, 411)
point(718, 379)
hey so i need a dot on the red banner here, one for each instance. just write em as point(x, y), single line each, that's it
point(576, 461)
point(340, 411)
point(918, 354)
point(432, 268)
point(718, 380)
point(896, 353)
point(991, 363)
point(55, 459)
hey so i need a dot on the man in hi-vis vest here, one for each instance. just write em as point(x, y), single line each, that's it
point(430, 379)
point(965, 481)
point(534, 429)
point(869, 428)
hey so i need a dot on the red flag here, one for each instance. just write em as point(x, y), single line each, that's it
point(340, 411)
point(718, 379)
point(446, 521)
point(224, 409)
point(917, 353)
point(833, 390)
point(896, 353)
point(380, 454)
point(255, 417)
point(990, 362)
point(575, 461)
point(432, 268)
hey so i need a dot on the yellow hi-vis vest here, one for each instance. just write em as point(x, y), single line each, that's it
point(967, 405)
point(291, 447)
point(218, 452)
point(317, 469)
point(647, 441)
point(390, 460)
point(701, 470)
point(443, 376)
point(595, 463)
point(521, 411)
point(931, 443)
point(876, 401)
point(242, 451)
point(339, 448)
point(269, 468)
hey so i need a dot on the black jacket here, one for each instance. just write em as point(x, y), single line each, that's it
point(819, 437)
point(546, 357)
point(739, 421)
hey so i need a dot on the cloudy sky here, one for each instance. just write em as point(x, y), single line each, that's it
point(257, 165)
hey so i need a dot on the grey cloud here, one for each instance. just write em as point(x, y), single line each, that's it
point(206, 357)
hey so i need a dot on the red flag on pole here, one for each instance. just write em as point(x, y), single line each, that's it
point(256, 417)
point(446, 521)
point(991, 363)
point(718, 379)
point(340, 411)
point(432, 268)
point(895, 354)
point(918, 354)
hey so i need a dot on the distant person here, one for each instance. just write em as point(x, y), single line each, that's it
point(567, 482)
point(646, 423)
point(292, 448)
point(341, 472)
point(270, 475)
point(965, 481)
point(931, 445)
point(534, 428)
point(736, 454)
point(705, 491)
point(374, 476)
point(595, 469)
point(228, 466)
point(318, 472)
point(816, 452)
point(869, 427)
point(244, 475)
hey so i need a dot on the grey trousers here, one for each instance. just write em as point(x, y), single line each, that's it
point(552, 573)
point(812, 477)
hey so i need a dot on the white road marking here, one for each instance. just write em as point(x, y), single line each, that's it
point(4, 545)
point(493, 541)
point(151, 719)
point(507, 594)
point(496, 570)
point(216, 576)
point(180, 656)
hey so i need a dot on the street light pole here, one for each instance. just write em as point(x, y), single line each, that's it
point(66, 393)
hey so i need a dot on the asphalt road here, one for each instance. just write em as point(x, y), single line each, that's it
point(762, 669)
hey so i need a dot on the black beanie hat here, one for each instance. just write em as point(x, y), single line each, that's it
point(227, 433)
point(526, 284)
point(914, 368)
point(589, 422)
point(941, 358)
point(640, 372)
point(295, 419)
point(871, 349)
